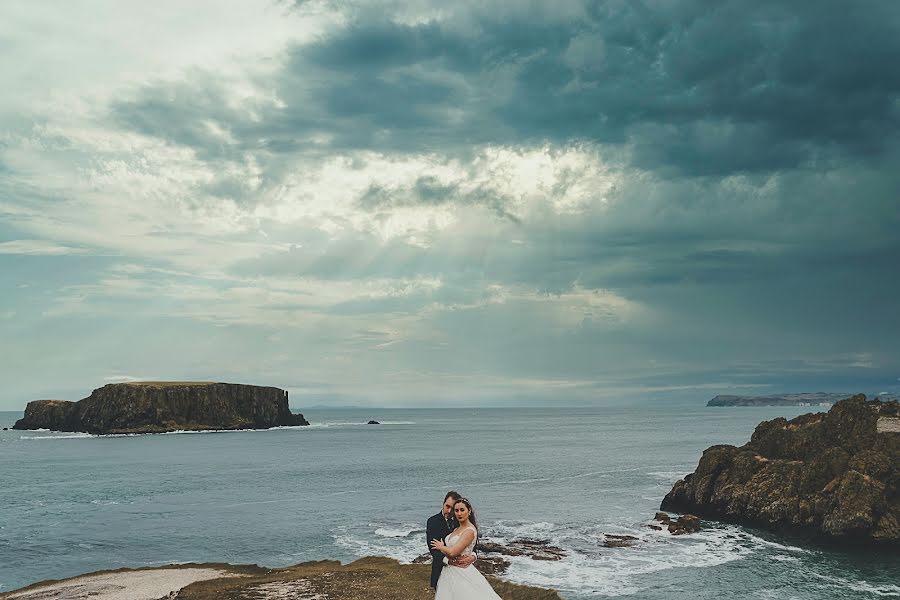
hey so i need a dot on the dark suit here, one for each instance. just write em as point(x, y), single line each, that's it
point(437, 529)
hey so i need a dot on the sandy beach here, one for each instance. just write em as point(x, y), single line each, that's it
point(148, 584)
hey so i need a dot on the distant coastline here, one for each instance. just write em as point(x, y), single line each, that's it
point(799, 399)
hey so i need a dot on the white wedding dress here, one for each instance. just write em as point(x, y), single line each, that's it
point(457, 583)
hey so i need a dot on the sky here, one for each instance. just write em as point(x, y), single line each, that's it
point(470, 203)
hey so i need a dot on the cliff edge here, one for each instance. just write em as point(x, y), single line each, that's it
point(833, 475)
point(372, 577)
point(161, 406)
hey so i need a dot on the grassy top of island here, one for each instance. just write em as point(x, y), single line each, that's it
point(162, 384)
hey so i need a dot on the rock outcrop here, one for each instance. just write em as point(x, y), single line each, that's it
point(833, 475)
point(157, 407)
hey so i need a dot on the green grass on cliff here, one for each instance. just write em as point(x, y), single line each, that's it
point(169, 383)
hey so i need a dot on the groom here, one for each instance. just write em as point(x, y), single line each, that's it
point(440, 526)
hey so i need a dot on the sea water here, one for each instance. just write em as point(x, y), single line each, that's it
point(341, 489)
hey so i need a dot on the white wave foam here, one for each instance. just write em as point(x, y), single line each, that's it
point(398, 532)
point(510, 482)
point(669, 475)
point(783, 558)
point(403, 549)
point(357, 423)
point(589, 568)
point(762, 542)
point(614, 573)
point(861, 586)
point(56, 435)
point(584, 569)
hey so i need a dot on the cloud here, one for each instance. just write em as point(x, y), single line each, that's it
point(778, 92)
point(38, 248)
point(125, 378)
point(382, 197)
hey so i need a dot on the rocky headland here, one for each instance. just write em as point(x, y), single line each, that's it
point(161, 406)
point(372, 578)
point(833, 476)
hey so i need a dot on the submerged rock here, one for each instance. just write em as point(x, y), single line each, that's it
point(833, 475)
point(157, 407)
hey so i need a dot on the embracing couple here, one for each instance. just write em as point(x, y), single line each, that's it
point(451, 535)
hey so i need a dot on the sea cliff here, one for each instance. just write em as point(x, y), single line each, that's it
point(158, 407)
point(834, 475)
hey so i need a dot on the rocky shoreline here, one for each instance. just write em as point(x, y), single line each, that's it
point(373, 578)
point(831, 476)
point(163, 406)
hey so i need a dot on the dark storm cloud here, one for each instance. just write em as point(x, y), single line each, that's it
point(180, 111)
point(705, 88)
point(694, 87)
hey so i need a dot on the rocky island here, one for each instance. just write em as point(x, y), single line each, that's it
point(373, 578)
point(834, 476)
point(161, 406)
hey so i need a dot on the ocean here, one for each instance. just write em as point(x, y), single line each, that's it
point(341, 489)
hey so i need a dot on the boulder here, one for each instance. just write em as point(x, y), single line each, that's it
point(680, 526)
point(833, 476)
point(619, 541)
point(373, 423)
point(157, 407)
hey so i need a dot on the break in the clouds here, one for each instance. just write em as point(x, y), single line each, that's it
point(422, 203)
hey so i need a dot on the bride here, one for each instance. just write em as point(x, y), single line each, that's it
point(462, 583)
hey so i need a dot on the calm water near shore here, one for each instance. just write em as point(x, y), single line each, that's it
point(73, 503)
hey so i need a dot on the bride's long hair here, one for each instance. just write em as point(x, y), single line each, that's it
point(468, 504)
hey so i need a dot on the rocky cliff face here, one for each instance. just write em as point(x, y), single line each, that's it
point(157, 407)
point(834, 475)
